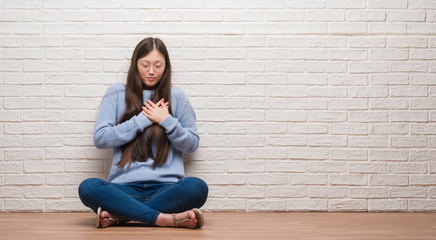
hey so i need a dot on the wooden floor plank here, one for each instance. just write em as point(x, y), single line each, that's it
point(219, 225)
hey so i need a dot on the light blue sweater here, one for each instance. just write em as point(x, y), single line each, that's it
point(180, 128)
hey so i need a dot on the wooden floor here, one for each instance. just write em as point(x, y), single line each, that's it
point(220, 225)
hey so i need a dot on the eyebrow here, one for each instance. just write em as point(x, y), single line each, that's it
point(158, 61)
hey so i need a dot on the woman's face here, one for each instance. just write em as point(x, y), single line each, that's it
point(151, 68)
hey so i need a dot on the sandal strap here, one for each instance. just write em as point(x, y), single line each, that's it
point(114, 219)
point(179, 221)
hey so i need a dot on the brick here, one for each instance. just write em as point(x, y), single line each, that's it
point(44, 192)
point(412, 66)
point(370, 92)
point(64, 205)
point(348, 80)
point(22, 53)
point(421, 28)
point(286, 116)
point(10, 41)
point(387, 4)
point(307, 28)
point(307, 179)
point(43, 166)
point(368, 67)
point(226, 4)
point(366, 15)
point(408, 91)
point(366, 42)
point(307, 128)
point(308, 54)
point(348, 205)
point(422, 4)
point(305, 4)
point(407, 192)
point(407, 168)
point(42, 141)
point(245, 191)
point(267, 153)
point(245, 166)
point(329, 92)
point(327, 141)
point(275, 16)
point(368, 192)
point(285, 192)
point(388, 104)
point(422, 129)
point(387, 205)
point(368, 116)
point(24, 179)
point(286, 166)
point(23, 128)
point(267, 79)
point(407, 42)
point(21, 28)
point(388, 155)
point(11, 141)
point(389, 54)
point(422, 155)
point(287, 91)
point(348, 154)
point(307, 205)
point(11, 192)
point(248, 115)
point(408, 116)
point(43, 91)
point(348, 129)
point(311, 153)
point(345, 4)
point(389, 79)
point(341, 54)
point(347, 28)
point(23, 103)
point(326, 192)
point(389, 180)
point(387, 28)
point(421, 79)
point(11, 167)
point(11, 90)
point(67, 179)
point(224, 179)
point(325, 16)
point(222, 128)
point(326, 116)
point(326, 167)
point(348, 179)
point(81, 16)
point(267, 179)
point(287, 141)
point(362, 168)
point(309, 103)
point(226, 204)
point(266, 205)
point(24, 205)
point(405, 16)
point(20, 154)
point(201, 167)
point(422, 205)
point(326, 67)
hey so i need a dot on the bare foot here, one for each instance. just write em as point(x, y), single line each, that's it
point(107, 219)
point(166, 220)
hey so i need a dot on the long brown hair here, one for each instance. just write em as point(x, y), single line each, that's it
point(141, 148)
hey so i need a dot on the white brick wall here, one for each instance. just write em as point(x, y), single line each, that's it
point(315, 105)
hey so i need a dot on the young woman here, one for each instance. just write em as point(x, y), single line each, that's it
point(149, 124)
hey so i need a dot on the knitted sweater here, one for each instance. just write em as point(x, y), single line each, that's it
point(180, 129)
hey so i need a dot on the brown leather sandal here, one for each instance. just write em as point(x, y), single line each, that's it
point(198, 214)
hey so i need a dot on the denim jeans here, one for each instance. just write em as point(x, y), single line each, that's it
point(143, 201)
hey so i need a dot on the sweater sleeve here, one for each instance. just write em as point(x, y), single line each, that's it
point(182, 130)
point(109, 135)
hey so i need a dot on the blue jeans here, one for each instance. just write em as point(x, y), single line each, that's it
point(143, 201)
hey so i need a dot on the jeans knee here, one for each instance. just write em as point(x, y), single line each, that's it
point(87, 187)
point(200, 190)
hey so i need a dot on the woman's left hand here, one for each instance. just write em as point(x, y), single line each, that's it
point(156, 112)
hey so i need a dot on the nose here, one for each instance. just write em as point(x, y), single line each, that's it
point(151, 70)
